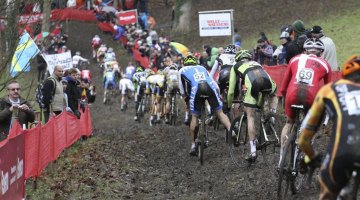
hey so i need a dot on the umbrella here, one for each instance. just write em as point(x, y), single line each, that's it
point(180, 48)
point(41, 35)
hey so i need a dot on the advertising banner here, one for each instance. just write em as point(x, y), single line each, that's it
point(12, 169)
point(213, 23)
point(63, 59)
point(127, 17)
point(30, 18)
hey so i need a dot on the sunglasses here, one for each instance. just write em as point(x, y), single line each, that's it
point(13, 89)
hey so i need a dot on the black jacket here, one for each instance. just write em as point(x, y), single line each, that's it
point(73, 94)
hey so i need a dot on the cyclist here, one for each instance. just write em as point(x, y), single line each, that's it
point(172, 86)
point(256, 82)
point(302, 81)
point(139, 78)
point(109, 81)
point(110, 55)
point(341, 100)
point(77, 59)
point(101, 53)
point(194, 81)
point(125, 85)
point(86, 75)
point(157, 83)
point(223, 64)
point(95, 44)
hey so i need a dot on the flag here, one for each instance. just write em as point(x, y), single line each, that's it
point(25, 51)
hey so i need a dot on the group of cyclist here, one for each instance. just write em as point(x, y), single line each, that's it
point(235, 76)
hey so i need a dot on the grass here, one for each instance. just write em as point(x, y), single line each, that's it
point(342, 28)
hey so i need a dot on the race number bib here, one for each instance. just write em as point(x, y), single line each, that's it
point(199, 76)
point(305, 75)
point(352, 100)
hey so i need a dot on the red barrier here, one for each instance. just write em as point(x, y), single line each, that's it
point(106, 27)
point(144, 61)
point(44, 143)
point(12, 168)
point(72, 14)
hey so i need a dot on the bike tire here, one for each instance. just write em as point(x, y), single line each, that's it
point(173, 113)
point(201, 136)
point(238, 153)
point(285, 182)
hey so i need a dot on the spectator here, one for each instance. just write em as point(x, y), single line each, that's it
point(263, 52)
point(119, 32)
point(13, 105)
point(73, 91)
point(330, 48)
point(54, 100)
point(280, 53)
point(143, 20)
point(71, 4)
point(142, 6)
point(295, 46)
point(151, 22)
point(237, 38)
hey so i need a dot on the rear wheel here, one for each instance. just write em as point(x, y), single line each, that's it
point(239, 145)
point(201, 137)
point(286, 178)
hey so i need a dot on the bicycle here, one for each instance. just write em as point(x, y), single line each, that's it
point(143, 106)
point(268, 135)
point(291, 174)
point(107, 93)
point(201, 133)
point(174, 111)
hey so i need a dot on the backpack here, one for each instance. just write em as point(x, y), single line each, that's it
point(39, 92)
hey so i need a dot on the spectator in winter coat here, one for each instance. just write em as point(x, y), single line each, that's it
point(263, 52)
point(54, 101)
point(329, 53)
point(73, 91)
point(13, 105)
point(119, 32)
point(41, 67)
point(295, 46)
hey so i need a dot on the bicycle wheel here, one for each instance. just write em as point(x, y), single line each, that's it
point(173, 114)
point(201, 137)
point(239, 145)
point(286, 178)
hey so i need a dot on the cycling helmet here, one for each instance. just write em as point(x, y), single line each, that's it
point(77, 53)
point(243, 54)
point(351, 65)
point(314, 46)
point(230, 49)
point(110, 50)
point(149, 72)
point(96, 36)
point(173, 66)
point(190, 60)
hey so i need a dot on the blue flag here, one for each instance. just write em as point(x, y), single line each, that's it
point(25, 51)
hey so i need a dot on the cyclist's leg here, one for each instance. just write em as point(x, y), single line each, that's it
point(195, 109)
point(159, 99)
point(216, 104)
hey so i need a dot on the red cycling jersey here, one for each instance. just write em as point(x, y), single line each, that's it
point(302, 81)
point(96, 42)
point(86, 75)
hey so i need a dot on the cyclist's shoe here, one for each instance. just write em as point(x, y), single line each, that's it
point(104, 101)
point(167, 120)
point(136, 118)
point(157, 121)
point(251, 158)
point(193, 150)
point(206, 143)
point(187, 121)
point(122, 108)
point(151, 120)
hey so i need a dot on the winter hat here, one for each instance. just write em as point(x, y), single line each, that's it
point(316, 30)
point(299, 27)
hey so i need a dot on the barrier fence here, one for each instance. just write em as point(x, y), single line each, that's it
point(26, 153)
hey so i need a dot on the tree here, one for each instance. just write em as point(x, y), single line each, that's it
point(46, 19)
point(182, 15)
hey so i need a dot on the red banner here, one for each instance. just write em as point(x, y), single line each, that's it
point(127, 17)
point(12, 169)
point(30, 18)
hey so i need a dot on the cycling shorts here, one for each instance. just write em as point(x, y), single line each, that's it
point(172, 87)
point(125, 85)
point(260, 84)
point(197, 102)
point(301, 96)
point(157, 90)
point(109, 83)
point(336, 171)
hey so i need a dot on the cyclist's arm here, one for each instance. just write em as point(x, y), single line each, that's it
point(286, 80)
point(327, 78)
point(232, 84)
point(311, 123)
point(181, 86)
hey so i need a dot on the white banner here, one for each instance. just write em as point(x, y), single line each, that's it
point(63, 59)
point(215, 24)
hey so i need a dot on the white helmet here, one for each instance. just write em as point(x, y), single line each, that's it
point(96, 36)
point(110, 50)
point(77, 53)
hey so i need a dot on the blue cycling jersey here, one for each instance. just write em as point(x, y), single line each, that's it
point(195, 74)
point(129, 72)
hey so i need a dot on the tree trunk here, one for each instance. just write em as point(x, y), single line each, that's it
point(46, 19)
point(184, 17)
point(116, 4)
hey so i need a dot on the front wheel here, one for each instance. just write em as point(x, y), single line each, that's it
point(238, 137)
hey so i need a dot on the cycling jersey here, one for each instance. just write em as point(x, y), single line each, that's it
point(302, 81)
point(140, 79)
point(96, 42)
point(109, 79)
point(101, 51)
point(226, 60)
point(341, 100)
point(129, 72)
point(110, 57)
point(125, 84)
point(76, 60)
point(254, 78)
point(157, 82)
point(172, 81)
point(195, 81)
point(86, 75)
point(113, 65)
